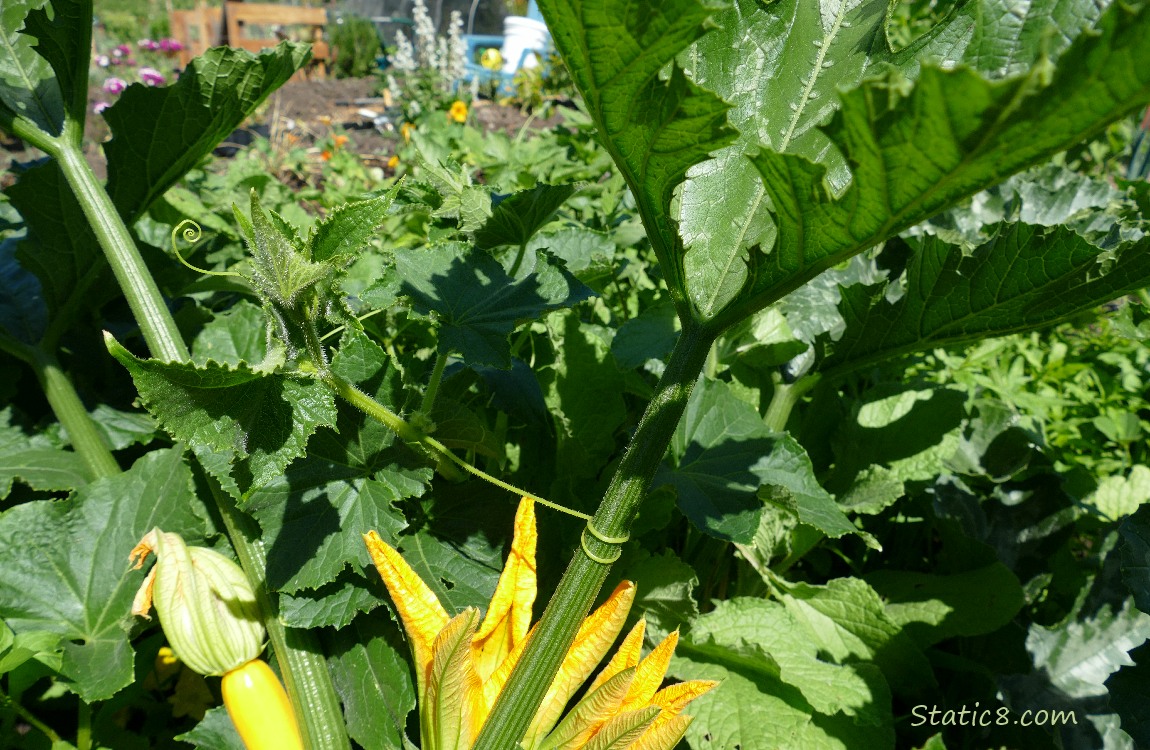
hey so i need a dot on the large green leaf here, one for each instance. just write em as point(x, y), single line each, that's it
point(1135, 533)
point(63, 40)
point(725, 454)
point(214, 732)
point(60, 247)
point(372, 676)
point(517, 217)
point(777, 690)
point(916, 150)
point(260, 421)
point(1025, 277)
point(28, 88)
point(64, 569)
point(1129, 690)
point(477, 303)
point(315, 515)
point(35, 462)
point(584, 393)
point(932, 607)
point(655, 126)
point(159, 133)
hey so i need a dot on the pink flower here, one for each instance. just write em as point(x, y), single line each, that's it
point(148, 44)
point(115, 85)
point(170, 45)
point(103, 61)
point(99, 107)
point(121, 50)
point(151, 76)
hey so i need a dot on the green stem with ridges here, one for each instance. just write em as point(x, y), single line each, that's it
point(7, 702)
point(66, 405)
point(299, 653)
point(432, 391)
point(785, 398)
point(302, 665)
point(517, 704)
point(136, 282)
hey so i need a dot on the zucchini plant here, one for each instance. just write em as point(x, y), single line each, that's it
point(796, 199)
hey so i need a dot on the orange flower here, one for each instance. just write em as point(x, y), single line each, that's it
point(340, 141)
point(325, 155)
point(462, 666)
point(458, 112)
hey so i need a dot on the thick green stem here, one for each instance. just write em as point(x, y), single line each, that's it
point(433, 385)
point(127, 264)
point(784, 399)
point(300, 657)
point(7, 702)
point(299, 653)
point(518, 702)
point(66, 405)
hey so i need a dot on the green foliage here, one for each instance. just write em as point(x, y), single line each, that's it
point(355, 45)
point(834, 227)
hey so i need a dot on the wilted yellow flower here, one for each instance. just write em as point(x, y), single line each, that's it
point(462, 665)
point(406, 129)
point(458, 111)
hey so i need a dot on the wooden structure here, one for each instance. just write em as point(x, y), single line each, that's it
point(196, 29)
point(250, 26)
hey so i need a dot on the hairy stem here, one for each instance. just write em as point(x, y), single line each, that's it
point(519, 701)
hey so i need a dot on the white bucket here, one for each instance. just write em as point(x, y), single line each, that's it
point(519, 34)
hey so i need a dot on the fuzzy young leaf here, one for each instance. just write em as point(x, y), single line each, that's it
point(1024, 278)
point(347, 229)
point(259, 420)
point(63, 565)
point(477, 303)
point(654, 127)
point(280, 271)
point(517, 217)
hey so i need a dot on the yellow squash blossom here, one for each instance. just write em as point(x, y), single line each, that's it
point(462, 665)
point(458, 111)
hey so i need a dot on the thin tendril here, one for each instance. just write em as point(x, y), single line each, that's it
point(339, 329)
point(191, 233)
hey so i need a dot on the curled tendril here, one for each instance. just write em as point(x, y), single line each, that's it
point(191, 233)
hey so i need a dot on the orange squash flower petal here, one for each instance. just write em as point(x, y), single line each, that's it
point(422, 614)
point(627, 656)
point(508, 618)
point(595, 636)
point(663, 735)
point(650, 672)
point(452, 687)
